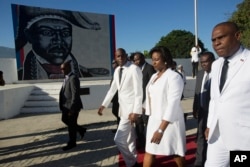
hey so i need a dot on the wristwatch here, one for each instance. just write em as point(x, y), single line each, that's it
point(160, 131)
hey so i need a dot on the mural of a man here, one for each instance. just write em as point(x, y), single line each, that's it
point(49, 32)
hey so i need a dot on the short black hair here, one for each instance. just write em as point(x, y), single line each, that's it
point(123, 51)
point(140, 54)
point(210, 55)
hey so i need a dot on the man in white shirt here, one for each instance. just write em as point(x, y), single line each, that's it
point(228, 125)
point(195, 51)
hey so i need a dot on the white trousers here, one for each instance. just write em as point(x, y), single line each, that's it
point(125, 139)
point(217, 154)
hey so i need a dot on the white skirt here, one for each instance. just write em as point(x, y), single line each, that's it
point(173, 141)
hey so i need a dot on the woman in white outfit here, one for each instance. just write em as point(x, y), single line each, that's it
point(166, 127)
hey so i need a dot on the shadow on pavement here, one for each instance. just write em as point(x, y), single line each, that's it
point(44, 148)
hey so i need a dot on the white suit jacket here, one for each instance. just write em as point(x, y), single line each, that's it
point(229, 110)
point(164, 102)
point(129, 90)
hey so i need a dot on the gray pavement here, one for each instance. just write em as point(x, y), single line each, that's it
point(35, 140)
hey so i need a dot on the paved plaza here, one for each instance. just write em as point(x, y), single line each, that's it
point(35, 140)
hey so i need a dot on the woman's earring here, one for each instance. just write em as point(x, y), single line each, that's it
point(165, 63)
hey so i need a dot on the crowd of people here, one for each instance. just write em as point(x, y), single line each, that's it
point(219, 105)
point(147, 102)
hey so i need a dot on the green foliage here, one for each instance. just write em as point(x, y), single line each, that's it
point(146, 54)
point(179, 42)
point(242, 18)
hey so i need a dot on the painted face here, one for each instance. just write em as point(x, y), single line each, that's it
point(121, 58)
point(225, 40)
point(157, 61)
point(51, 39)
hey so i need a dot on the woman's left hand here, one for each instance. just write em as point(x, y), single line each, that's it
point(156, 137)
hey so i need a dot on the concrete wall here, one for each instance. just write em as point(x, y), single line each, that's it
point(13, 96)
point(12, 99)
point(9, 68)
point(186, 63)
point(97, 94)
point(189, 87)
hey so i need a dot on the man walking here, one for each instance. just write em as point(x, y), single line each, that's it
point(128, 82)
point(201, 104)
point(70, 104)
point(147, 71)
point(229, 114)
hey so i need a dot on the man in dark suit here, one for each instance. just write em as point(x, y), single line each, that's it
point(70, 104)
point(201, 104)
point(147, 71)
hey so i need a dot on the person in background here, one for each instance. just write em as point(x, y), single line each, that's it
point(128, 82)
point(195, 51)
point(201, 104)
point(166, 127)
point(183, 73)
point(70, 104)
point(174, 68)
point(147, 71)
point(2, 82)
point(228, 127)
point(115, 103)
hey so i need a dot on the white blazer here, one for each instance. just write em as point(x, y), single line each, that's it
point(165, 102)
point(229, 110)
point(129, 90)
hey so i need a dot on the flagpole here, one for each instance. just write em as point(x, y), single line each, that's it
point(195, 23)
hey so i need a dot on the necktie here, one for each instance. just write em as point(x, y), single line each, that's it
point(223, 76)
point(206, 80)
point(120, 75)
point(204, 100)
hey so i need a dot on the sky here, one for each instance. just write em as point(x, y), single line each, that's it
point(139, 24)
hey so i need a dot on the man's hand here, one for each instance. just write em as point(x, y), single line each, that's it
point(143, 110)
point(133, 117)
point(70, 113)
point(100, 110)
point(206, 133)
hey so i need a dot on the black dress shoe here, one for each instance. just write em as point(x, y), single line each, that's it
point(136, 165)
point(113, 130)
point(68, 147)
point(82, 133)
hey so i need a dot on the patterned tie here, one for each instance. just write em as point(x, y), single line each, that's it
point(120, 75)
point(223, 76)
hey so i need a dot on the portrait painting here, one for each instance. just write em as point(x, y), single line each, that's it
point(45, 38)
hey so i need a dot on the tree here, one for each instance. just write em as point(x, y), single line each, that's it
point(179, 42)
point(242, 18)
point(146, 54)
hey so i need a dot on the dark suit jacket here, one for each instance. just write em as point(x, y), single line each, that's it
point(147, 72)
point(197, 96)
point(69, 98)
